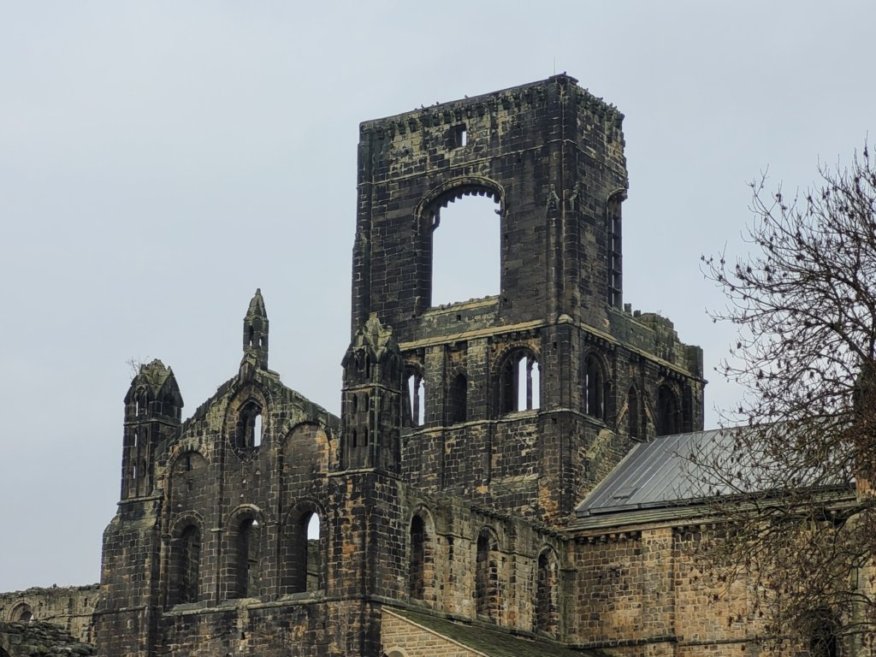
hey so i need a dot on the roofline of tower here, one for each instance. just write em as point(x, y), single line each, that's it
point(373, 124)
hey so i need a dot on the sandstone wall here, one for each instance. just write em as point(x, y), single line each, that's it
point(70, 607)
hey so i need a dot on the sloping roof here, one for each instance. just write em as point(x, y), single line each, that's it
point(659, 480)
point(489, 641)
point(654, 474)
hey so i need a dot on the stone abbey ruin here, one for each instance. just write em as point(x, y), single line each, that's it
point(500, 479)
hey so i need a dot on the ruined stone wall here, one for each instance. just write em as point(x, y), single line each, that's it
point(214, 481)
point(451, 570)
point(551, 155)
point(537, 462)
point(38, 638)
point(70, 607)
point(624, 588)
point(227, 515)
point(645, 593)
point(310, 628)
point(709, 610)
point(533, 148)
point(527, 405)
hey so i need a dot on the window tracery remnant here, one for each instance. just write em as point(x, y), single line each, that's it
point(416, 393)
point(248, 434)
point(519, 382)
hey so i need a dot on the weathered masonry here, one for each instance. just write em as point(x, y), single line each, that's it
point(524, 400)
point(503, 478)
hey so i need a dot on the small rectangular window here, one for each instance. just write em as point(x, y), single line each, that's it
point(459, 136)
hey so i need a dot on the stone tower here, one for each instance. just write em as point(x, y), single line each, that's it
point(264, 525)
point(372, 399)
point(530, 396)
point(126, 617)
point(153, 406)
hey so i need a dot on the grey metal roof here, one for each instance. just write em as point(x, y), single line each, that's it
point(657, 473)
point(661, 480)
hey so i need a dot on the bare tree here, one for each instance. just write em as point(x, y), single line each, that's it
point(794, 483)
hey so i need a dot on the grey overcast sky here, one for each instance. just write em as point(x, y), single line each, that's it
point(161, 160)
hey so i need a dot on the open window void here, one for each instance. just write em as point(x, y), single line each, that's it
point(465, 249)
point(519, 382)
point(416, 399)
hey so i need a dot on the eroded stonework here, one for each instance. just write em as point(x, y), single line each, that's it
point(436, 516)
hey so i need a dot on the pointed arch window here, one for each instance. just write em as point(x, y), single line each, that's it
point(416, 565)
point(465, 244)
point(519, 382)
point(687, 410)
point(303, 551)
point(313, 556)
point(138, 471)
point(667, 411)
point(487, 575)
point(249, 433)
point(244, 554)
point(420, 557)
point(416, 394)
point(185, 573)
point(594, 387)
point(547, 594)
point(141, 402)
point(458, 399)
point(190, 563)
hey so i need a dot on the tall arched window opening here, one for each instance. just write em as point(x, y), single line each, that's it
point(416, 391)
point(667, 411)
point(249, 426)
point(634, 421)
point(303, 553)
point(247, 551)
point(594, 388)
point(186, 549)
point(140, 402)
point(519, 382)
point(615, 264)
point(547, 595)
point(823, 634)
point(685, 420)
point(313, 566)
point(458, 399)
point(487, 576)
point(416, 566)
point(190, 563)
point(465, 249)
point(135, 460)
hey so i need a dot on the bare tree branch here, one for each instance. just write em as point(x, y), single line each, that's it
point(804, 303)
